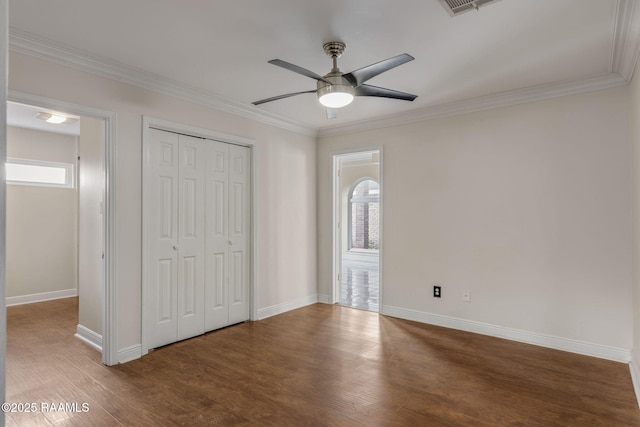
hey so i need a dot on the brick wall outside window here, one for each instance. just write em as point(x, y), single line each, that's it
point(365, 216)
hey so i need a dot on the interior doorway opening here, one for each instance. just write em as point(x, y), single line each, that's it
point(92, 231)
point(55, 241)
point(357, 229)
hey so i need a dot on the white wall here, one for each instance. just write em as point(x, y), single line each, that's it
point(285, 183)
point(41, 221)
point(529, 207)
point(90, 225)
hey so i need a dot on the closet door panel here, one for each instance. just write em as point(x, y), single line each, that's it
point(191, 239)
point(162, 264)
point(217, 275)
point(239, 232)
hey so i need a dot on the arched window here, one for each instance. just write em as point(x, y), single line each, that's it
point(364, 208)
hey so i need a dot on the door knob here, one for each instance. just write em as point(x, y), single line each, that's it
point(230, 243)
point(175, 248)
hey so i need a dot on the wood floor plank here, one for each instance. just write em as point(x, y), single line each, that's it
point(321, 365)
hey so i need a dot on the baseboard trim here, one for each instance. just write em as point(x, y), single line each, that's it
point(274, 310)
point(44, 296)
point(574, 346)
point(130, 353)
point(90, 337)
point(635, 378)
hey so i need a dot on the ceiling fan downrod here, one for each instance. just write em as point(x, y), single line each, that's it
point(334, 50)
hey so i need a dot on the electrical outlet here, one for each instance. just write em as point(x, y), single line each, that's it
point(466, 296)
point(437, 291)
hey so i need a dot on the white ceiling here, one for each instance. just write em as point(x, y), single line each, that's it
point(24, 116)
point(219, 50)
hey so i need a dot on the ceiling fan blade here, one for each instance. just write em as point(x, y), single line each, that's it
point(368, 90)
point(275, 98)
point(297, 69)
point(363, 74)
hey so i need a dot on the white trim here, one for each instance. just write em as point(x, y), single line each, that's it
point(40, 297)
point(110, 319)
point(130, 353)
point(110, 328)
point(574, 346)
point(151, 122)
point(626, 40)
point(381, 283)
point(635, 378)
point(88, 336)
point(253, 312)
point(51, 51)
point(336, 235)
point(274, 310)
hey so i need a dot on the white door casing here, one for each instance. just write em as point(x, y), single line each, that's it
point(91, 226)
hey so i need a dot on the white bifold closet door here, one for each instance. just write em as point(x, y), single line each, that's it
point(226, 290)
point(197, 261)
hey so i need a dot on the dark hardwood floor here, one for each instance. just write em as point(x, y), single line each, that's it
point(321, 365)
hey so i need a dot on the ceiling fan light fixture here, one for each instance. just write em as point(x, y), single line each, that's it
point(335, 96)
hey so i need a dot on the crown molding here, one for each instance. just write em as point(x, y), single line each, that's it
point(624, 55)
point(488, 102)
point(48, 50)
point(626, 39)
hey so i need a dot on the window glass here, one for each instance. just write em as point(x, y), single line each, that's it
point(40, 173)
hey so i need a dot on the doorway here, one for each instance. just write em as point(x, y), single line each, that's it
point(94, 234)
point(357, 225)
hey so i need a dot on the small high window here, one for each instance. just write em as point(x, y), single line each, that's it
point(364, 213)
point(39, 173)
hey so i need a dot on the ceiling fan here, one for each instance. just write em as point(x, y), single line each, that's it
point(337, 89)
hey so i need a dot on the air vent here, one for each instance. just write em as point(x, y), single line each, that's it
point(456, 7)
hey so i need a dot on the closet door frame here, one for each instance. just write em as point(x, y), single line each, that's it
point(160, 124)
